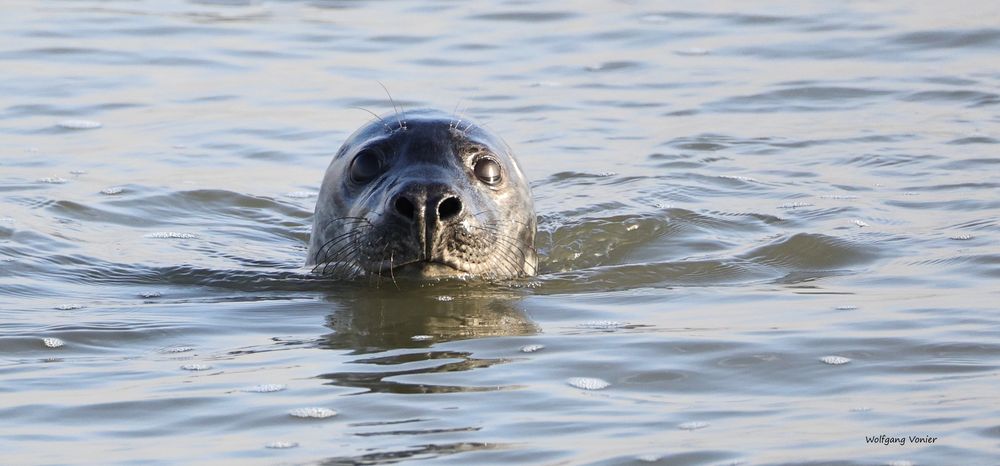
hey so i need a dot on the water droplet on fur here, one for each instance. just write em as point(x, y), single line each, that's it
point(313, 413)
point(588, 383)
point(835, 360)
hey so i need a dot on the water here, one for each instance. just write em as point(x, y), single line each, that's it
point(766, 233)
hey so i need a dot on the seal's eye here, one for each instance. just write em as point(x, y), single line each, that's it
point(365, 166)
point(487, 170)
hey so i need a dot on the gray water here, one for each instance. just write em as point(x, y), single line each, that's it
point(771, 230)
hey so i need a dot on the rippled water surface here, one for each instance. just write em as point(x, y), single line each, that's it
point(768, 234)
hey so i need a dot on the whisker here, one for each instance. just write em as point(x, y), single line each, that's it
point(400, 112)
point(384, 124)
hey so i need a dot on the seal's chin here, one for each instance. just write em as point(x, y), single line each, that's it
point(427, 269)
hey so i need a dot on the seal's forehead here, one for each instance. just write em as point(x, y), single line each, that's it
point(425, 131)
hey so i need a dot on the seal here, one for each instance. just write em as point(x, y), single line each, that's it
point(426, 195)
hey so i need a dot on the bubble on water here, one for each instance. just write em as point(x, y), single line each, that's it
point(795, 205)
point(846, 308)
point(281, 445)
point(6, 220)
point(176, 349)
point(632, 228)
point(649, 458)
point(546, 84)
point(313, 413)
point(114, 190)
point(444, 298)
point(78, 172)
point(607, 174)
point(150, 294)
point(69, 307)
point(301, 194)
point(901, 463)
point(170, 235)
point(962, 237)
point(196, 367)
point(861, 409)
point(532, 348)
point(861, 223)
point(52, 342)
point(265, 388)
point(602, 324)
point(79, 124)
point(588, 383)
point(842, 197)
point(421, 338)
point(53, 180)
point(693, 425)
point(835, 360)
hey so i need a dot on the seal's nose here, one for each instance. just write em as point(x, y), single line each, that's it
point(432, 204)
point(449, 208)
point(404, 207)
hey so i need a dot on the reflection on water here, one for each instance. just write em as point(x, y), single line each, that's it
point(374, 320)
point(770, 229)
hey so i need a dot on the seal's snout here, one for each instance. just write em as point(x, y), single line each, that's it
point(431, 211)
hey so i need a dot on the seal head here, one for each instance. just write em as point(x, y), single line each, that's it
point(423, 194)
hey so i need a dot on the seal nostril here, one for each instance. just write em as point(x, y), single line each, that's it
point(404, 207)
point(449, 208)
